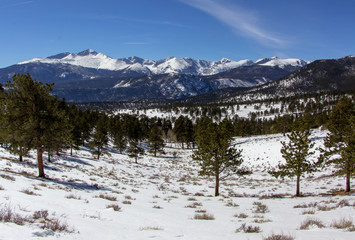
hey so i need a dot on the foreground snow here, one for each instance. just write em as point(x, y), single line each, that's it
point(159, 197)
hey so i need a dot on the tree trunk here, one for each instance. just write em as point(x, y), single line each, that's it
point(20, 156)
point(71, 150)
point(298, 186)
point(216, 190)
point(40, 162)
point(348, 186)
point(49, 155)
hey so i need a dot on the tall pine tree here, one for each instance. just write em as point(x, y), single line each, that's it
point(215, 154)
point(340, 142)
point(29, 105)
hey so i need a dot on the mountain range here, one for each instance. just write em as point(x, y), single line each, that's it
point(92, 76)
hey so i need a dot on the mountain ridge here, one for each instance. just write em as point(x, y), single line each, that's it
point(91, 59)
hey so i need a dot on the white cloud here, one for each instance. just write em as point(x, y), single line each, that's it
point(241, 20)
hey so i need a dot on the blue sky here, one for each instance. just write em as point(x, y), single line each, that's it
point(156, 29)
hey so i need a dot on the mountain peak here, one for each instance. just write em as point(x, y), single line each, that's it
point(87, 52)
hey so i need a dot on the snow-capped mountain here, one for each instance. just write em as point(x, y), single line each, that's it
point(319, 76)
point(91, 59)
point(92, 76)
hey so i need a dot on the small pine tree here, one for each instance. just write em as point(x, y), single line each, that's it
point(215, 154)
point(155, 140)
point(134, 150)
point(296, 153)
point(99, 137)
point(339, 144)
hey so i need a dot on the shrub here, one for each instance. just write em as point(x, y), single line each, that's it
point(241, 215)
point(151, 228)
point(278, 237)
point(29, 192)
point(157, 207)
point(248, 229)
point(260, 207)
point(308, 212)
point(7, 177)
point(305, 205)
point(107, 197)
point(311, 222)
point(115, 207)
point(204, 216)
point(57, 225)
point(40, 214)
point(194, 205)
point(342, 223)
point(72, 196)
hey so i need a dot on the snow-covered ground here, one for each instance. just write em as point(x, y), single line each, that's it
point(158, 198)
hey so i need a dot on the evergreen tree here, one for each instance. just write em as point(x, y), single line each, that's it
point(340, 142)
point(29, 113)
point(116, 132)
point(134, 150)
point(183, 130)
point(296, 153)
point(99, 137)
point(155, 140)
point(215, 154)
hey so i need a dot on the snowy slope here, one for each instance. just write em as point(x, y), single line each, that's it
point(282, 63)
point(159, 197)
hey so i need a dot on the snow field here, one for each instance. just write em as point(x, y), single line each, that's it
point(160, 197)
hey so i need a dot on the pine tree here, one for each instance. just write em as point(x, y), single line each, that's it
point(183, 130)
point(340, 142)
point(296, 153)
point(215, 154)
point(99, 137)
point(155, 140)
point(134, 150)
point(29, 113)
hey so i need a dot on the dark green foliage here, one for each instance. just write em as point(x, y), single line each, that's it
point(340, 142)
point(155, 140)
point(117, 133)
point(296, 153)
point(184, 130)
point(29, 114)
point(100, 136)
point(215, 154)
point(134, 150)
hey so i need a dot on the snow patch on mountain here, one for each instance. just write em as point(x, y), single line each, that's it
point(275, 61)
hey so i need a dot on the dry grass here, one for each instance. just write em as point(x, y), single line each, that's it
point(248, 229)
point(151, 228)
point(7, 214)
point(342, 223)
point(311, 211)
point(203, 216)
point(194, 205)
point(241, 215)
point(311, 222)
point(7, 177)
point(274, 236)
point(115, 207)
point(107, 197)
point(72, 196)
point(29, 192)
point(259, 207)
